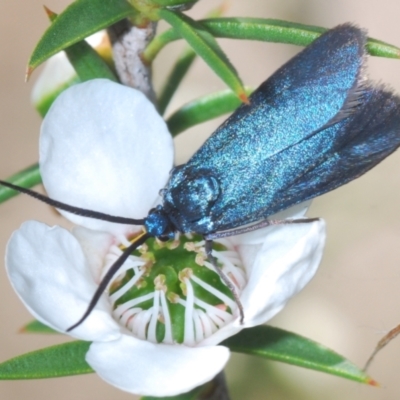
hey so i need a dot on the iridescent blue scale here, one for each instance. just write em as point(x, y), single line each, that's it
point(316, 124)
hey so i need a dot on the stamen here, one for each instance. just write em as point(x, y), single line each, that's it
point(214, 311)
point(198, 326)
point(120, 292)
point(223, 297)
point(200, 258)
point(190, 246)
point(131, 303)
point(152, 330)
point(208, 326)
point(230, 267)
point(218, 321)
point(126, 318)
point(144, 318)
point(189, 331)
point(173, 244)
point(167, 318)
point(163, 287)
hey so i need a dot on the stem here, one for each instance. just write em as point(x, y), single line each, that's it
point(128, 42)
point(218, 390)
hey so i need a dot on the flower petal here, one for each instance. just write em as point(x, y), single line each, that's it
point(104, 147)
point(95, 246)
point(49, 272)
point(279, 260)
point(150, 369)
point(286, 262)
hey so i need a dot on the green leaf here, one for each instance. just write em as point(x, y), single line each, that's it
point(203, 109)
point(37, 327)
point(180, 69)
point(175, 78)
point(268, 30)
point(171, 3)
point(55, 361)
point(381, 49)
point(277, 344)
point(206, 47)
point(283, 32)
point(79, 20)
point(26, 178)
point(88, 64)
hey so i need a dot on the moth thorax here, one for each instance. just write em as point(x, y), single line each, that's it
point(194, 197)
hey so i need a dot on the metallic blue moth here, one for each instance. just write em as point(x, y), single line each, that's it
point(314, 125)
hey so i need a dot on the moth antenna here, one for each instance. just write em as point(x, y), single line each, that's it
point(108, 277)
point(228, 283)
point(74, 210)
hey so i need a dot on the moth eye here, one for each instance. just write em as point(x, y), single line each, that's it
point(195, 197)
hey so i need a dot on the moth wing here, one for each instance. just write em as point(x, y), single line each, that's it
point(251, 154)
point(375, 130)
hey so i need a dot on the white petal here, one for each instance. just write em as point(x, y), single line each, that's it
point(279, 261)
point(49, 272)
point(95, 246)
point(104, 147)
point(151, 369)
point(286, 262)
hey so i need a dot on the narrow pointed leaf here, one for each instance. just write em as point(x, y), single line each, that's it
point(87, 63)
point(283, 32)
point(55, 361)
point(268, 30)
point(203, 109)
point(204, 44)
point(180, 69)
point(277, 344)
point(174, 79)
point(78, 21)
point(26, 178)
point(37, 327)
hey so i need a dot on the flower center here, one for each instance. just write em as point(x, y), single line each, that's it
point(168, 292)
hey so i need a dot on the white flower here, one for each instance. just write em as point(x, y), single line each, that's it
point(104, 147)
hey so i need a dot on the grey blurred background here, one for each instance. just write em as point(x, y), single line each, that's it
point(355, 296)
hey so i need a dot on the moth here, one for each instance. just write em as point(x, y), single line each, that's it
point(314, 125)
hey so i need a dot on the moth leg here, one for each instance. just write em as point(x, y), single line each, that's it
point(258, 225)
point(228, 283)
